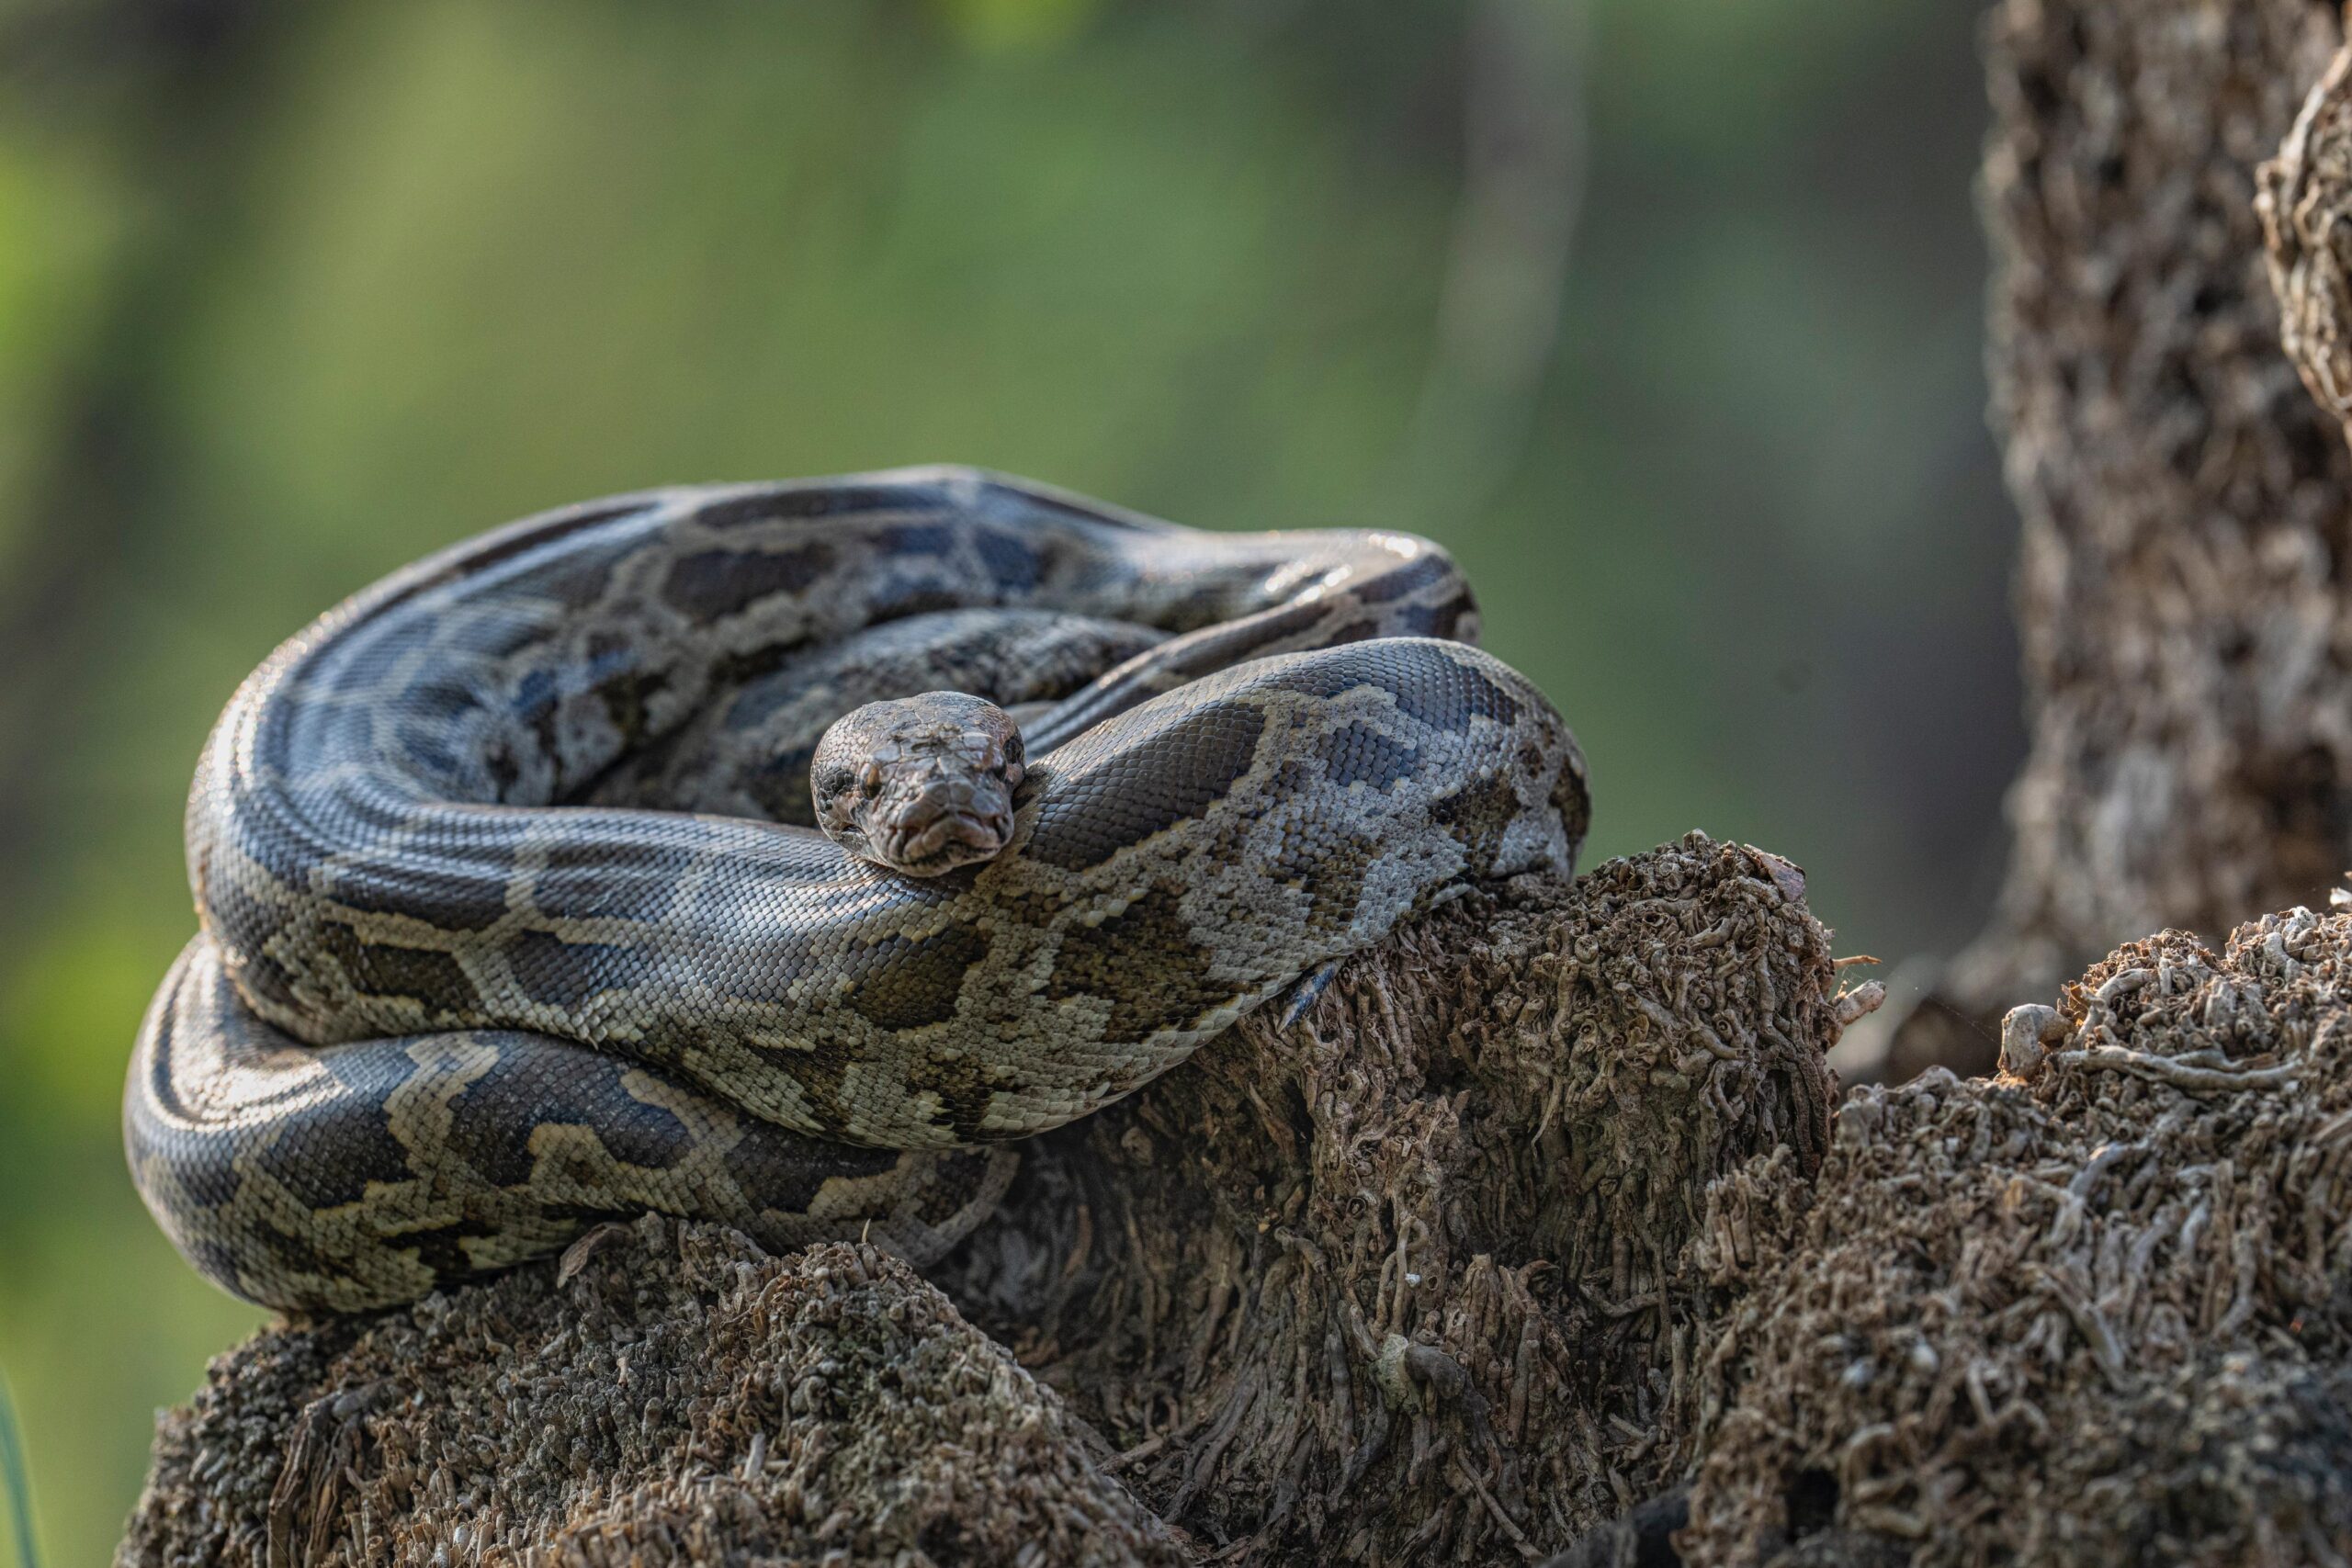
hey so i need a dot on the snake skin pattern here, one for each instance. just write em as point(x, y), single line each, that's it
point(507, 925)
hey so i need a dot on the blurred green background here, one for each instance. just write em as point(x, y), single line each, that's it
point(1663, 314)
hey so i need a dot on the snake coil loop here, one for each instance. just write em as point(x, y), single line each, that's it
point(511, 916)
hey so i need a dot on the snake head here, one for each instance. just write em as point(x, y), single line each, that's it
point(919, 785)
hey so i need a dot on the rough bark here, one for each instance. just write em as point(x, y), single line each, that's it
point(2095, 1311)
point(1373, 1289)
point(2305, 202)
point(2181, 594)
point(682, 1398)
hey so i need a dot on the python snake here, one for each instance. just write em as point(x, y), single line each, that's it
point(512, 918)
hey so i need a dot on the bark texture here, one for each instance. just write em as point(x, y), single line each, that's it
point(682, 1399)
point(1373, 1289)
point(2306, 199)
point(2185, 502)
point(2096, 1310)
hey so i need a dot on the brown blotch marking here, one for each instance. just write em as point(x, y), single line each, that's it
point(280, 856)
point(443, 1249)
point(780, 786)
point(733, 670)
point(965, 1088)
point(909, 984)
point(1142, 961)
point(1265, 629)
point(1356, 754)
point(438, 699)
point(523, 539)
point(801, 500)
point(1014, 563)
point(466, 894)
point(918, 538)
point(1019, 498)
point(785, 1172)
point(1571, 798)
point(819, 1073)
point(1447, 618)
point(923, 599)
point(232, 1261)
point(1333, 881)
point(1425, 684)
point(1425, 570)
point(955, 1176)
point(566, 974)
point(577, 582)
point(266, 977)
point(534, 703)
point(715, 583)
point(1476, 816)
point(627, 699)
point(540, 1083)
point(331, 1150)
point(1200, 605)
point(281, 1253)
point(243, 926)
point(382, 969)
point(1478, 698)
point(1170, 777)
point(609, 881)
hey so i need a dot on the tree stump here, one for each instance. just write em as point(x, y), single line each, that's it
point(1394, 1285)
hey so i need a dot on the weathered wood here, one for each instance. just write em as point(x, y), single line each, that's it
point(2186, 506)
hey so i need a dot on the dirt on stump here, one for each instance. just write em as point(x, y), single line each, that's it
point(2095, 1311)
point(683, 1398)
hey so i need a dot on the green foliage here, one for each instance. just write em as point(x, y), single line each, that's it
point(1003, 25)
point(15, 1491)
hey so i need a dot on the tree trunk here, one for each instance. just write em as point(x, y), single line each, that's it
point(2181, 593)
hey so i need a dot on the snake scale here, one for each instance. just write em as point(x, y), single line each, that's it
point(512, 916)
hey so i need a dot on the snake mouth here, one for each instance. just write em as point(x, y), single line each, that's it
point(928, 843)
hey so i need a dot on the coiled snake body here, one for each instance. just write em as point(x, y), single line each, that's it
point(505, 926)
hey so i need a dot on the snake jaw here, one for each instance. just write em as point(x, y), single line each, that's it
point(950, 820)
point(920, 784)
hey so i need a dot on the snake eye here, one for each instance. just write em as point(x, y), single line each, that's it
point(870, 776)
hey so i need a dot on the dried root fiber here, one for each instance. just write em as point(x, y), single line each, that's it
point(2095, 1311)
